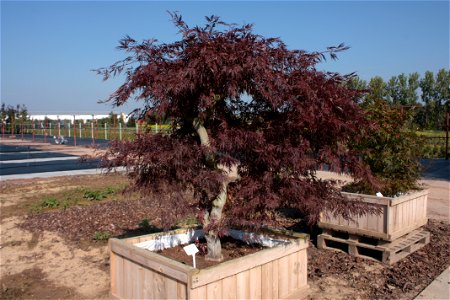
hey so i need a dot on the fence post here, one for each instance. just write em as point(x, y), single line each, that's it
point(45, 130)
point(92, 130)
point(74, 131)
point(32, 130)
point(120, 131)
point(447, 125)
point(59, 127)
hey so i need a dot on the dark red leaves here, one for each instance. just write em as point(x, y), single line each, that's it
point(264, 107)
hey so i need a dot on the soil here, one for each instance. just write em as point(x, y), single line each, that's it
point(52, 254)
point(231, 249)
point(336, 273)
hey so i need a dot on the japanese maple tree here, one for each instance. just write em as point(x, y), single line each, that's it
point(251, 122)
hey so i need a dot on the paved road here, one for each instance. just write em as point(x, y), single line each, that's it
point(68, 140)
point(438, 169)
point(20, 160)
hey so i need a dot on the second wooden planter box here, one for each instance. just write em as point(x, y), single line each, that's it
point(273, 273)
point(399, 216)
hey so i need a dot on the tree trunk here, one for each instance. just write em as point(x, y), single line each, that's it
point(214, 247)
point(215, 215)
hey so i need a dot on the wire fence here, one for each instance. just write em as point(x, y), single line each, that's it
point(67, 130)
point(435, 147)
point(94, 130)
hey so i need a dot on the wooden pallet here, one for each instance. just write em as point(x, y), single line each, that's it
point(382, 251)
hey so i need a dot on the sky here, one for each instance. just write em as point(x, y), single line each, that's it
point(49, 49)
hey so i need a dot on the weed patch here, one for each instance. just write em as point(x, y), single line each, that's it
point(101, 235)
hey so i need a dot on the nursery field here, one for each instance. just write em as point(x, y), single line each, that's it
point(54, 235)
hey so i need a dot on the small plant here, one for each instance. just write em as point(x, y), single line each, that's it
point(101, 235)
point(50, 203)
point(97, 195)
point(147, 227)
point(93, 195)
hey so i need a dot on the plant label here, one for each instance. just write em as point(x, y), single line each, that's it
point(191, 249)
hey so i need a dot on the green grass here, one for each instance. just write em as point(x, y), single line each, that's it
point(76, 197)
point(431, 133)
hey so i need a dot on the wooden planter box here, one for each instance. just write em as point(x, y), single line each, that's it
point(400, 216)
point(272, 273)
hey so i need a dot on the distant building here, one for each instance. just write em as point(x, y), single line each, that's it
point(63, 117)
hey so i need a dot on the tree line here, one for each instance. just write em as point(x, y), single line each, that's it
point(10, 114)
point(428, 97)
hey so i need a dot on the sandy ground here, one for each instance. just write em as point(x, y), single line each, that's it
point(51, 268)
point(61, 264)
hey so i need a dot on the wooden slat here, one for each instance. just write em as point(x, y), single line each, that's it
point(368, 198)
point(400, 217)
point(255, 283)
point(354, 230)
point(170, 286)
point(198, 293)
point(267, 281)
point(302, 277)
point(404, 198)
point(132, 240)
point(293, 271)
point(214, 290)
point(148, 292)
point(181, 290)
point(247, 262)
point(283, 276)
point(129, 272)
point(112, 271)
point(372, 222)
point(275, 290)
point(382, 220)
point(158, 286)
point(242, 285)
point(401, 232)
point(405, 213)
point(138, 282)
point(119, 280)
point(411, 212)
point(229, 287)
point(425, 206)
point(152, 260)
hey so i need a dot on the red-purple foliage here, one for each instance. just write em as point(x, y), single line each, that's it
point(266, 109)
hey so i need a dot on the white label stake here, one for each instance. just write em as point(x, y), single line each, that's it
point(191, 250)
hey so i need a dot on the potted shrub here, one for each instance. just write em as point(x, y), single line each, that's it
point(391, 150)
point(250, 121)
